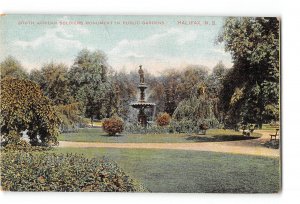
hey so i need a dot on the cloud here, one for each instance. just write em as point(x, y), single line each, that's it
point(166, 48)
point(59, 38)
point(174, 48)
point(157, 44)
point(220, 49)
point(49, 40)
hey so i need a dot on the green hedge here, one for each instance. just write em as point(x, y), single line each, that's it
point(22, 171)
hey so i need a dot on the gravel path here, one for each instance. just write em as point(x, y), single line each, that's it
point(248, 147)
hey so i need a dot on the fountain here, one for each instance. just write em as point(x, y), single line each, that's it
point(142, 105)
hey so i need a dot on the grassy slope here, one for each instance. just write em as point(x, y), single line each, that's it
point(192, 171)
point(97, 135)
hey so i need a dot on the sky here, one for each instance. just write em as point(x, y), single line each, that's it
point(156, 42)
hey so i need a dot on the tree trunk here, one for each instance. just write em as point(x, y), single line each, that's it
point(260, 125)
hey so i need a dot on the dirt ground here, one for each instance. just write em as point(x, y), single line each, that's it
point(248, 147)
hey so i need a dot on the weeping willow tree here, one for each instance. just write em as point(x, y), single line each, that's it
point(69, 115)
point(193, 112)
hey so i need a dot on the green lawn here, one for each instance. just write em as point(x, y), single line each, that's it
point(269, 127)
point(97, 135)
point(192, 171)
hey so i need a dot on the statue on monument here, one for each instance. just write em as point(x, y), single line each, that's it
point(141, 73)
point(142, 104)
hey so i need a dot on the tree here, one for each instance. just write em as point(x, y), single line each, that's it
point(125, 90)
point(156, 93)
point(54, 82)
point(191, 79)
point(193, 112)
point(12, 67)
point(24, 107)
point(70, 116)
point(168, 90)
point(251, 88)
point(91, 85)
point(214, 88)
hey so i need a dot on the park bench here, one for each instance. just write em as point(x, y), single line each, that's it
point(274, 135)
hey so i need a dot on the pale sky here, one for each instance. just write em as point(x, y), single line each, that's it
point(171, 42)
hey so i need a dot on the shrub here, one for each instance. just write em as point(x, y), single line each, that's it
point(163, 119)
point(62, 172)
point(113, 125)
point(151, 129)
point(188, 126)
point(195, 111)
point(24, 107)
point(184, 125)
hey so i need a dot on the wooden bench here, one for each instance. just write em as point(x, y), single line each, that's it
point(275, 135)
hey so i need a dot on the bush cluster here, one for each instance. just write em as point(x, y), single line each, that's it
point(190, 126)
point(185, 126)
point(23, 171)
point(113, 125)
point(151, 129)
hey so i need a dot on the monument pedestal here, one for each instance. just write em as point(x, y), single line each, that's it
point(141, 105)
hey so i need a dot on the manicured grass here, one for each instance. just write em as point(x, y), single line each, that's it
point(269, 127)
point(96, 123)
point(97, 135)
point(193, 171)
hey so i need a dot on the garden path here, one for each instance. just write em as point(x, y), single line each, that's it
point(248, 147)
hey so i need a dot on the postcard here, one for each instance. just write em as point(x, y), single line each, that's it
point(169, 104)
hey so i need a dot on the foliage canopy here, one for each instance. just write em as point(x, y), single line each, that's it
point(250, 91)
point(13, 68)
point(91, 85)
point(54, 82)
point(24, 107)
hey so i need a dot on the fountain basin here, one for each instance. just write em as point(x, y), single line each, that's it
point(142, 85)
point(142, 105)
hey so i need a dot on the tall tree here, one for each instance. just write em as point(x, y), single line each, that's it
point(53, 80)
point(251, 88)
point(125, 90)
point(214, 87)
point(192, 78)
point(91, 84)
point(12, 67)
point(174, 86)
